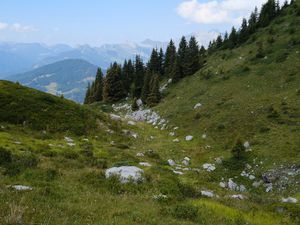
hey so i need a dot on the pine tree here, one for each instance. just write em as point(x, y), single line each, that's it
point(219, 41)
point(153, 64)
point(252, 22)
point(139, 77)
point(146, 86)
point(233, 37)
point(176, 73)
point(238, 149)
point(243, 36)
point(87, 94)
point(161, 63)
point(202, 56)
point(193, 56)
point(267, 13)
point(113, 88)
point(170, 58)
point(98, 86)
point(182, 58)
point(154, 95)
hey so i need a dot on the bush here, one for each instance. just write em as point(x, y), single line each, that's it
point(5, 156)
point(185, 211)
point(238, 149)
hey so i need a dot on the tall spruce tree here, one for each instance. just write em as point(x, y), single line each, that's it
point(153, 64)
point(113, 87)
point(244, 35)
point(233, 38)
point(98, 86)
point(182, 58)
point(161, 62)
point(252, 22)
point(176, 72)
point(87, 94)
point(170, 58)
point(193, 56)
point(267, 13)
point(154, 95)
point(139, 77)
point(146, 86)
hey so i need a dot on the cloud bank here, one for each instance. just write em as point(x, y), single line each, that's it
point(217, 11)
point(17, 27)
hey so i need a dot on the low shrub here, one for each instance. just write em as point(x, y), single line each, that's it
point(184, 211)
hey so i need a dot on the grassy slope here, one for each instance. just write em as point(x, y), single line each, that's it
point(69, 185)
point(241, 90)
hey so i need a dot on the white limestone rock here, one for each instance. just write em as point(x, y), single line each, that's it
point(145, 164)
point(208, 194)
point(176, 140)
point(140, 154)
point(239, 197)
point(198, 105)
point(189, 138)
point(171, 162)
point(22, 188)
point(178, 172)
point(289, 200)
point(115, 117)
point(125, 173)
point(209, 167)
point(131, 123)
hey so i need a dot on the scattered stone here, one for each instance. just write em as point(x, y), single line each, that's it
point(130, 133)
point(18, 142)
point(189, 138)
point(178, 172)
point(175, 128)
point(172, 134)
point(71, 144)
point(242, 188)
point(247, 144)
point(240, 197)
point(85, 139)
point(204, 136)
point(21, 188)
point(125, 173)
point(251, 177)
point(146, 164)
point(115, 117)
point(209, 167)
point(222, 184)
point(176, 140)
point(269, 187)
point(131, 123)
point(198, 105)
point(160, 197)
point(68, 139)
point(186, 161)
point(289, 200)
point(171, 162)
point(219, 160)
point(231, 185)
point(208, 194)
point(139, 102)
point(140, 154)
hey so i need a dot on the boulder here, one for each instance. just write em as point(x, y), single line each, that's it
point(231, 185)
point(125, 173)
point(115, 117)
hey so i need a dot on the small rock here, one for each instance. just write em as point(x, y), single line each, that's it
point(85, 139)
point(231, 185)
point(189, 138)
point(131, 123)
point(251, 177)
point(160, 197)
point(115, 117)
point(21, 188)
point(146, 164)
point(71, 144)
point(204, 136)
point(18, 142)
point(186, 161)
point(172, 134)
point(178, 172)
point(242, 188)
point(198, 105)
point(256, 184)
point(222, 184)
point(68, 139)
point(171, 162)
point(209, 167)
point(176, 128)
point(208, 194)
point(219, 160)
point(140, 154)
point(289, 200)
point(269, 187)
point(139, 102)
point(176, 140)
point(240, 197)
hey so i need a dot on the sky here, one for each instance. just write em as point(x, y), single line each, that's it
point(97, 22)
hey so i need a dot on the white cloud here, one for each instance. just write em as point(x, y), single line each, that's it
point(217, 11)
point(3, 26)
point(22, 28)
point(17, 27)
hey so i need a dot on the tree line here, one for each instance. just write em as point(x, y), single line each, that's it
point(138, 80)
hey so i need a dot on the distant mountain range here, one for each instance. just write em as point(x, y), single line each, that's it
point(22, 57)
point(69, 77)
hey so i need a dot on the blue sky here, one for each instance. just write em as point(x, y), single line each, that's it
point(96, 22)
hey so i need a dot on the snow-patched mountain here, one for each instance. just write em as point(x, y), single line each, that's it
point(69, 77)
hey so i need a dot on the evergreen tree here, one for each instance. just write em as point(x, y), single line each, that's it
point(113, 88)
point(219, 42)
point(153, 64)
point(139, 77)
point(154, 95)
point(87, 94)
point(98, 86)
point(161, 62)
point(238, 149)
point(267, 13)
point(182, 58)
point(202, 56)
point(134, 105)
point(146, 86)
point(233, 37)
point(252, 22)
point(176, 73)
point(170, 58)
point(243, 36)
point(193, 56)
